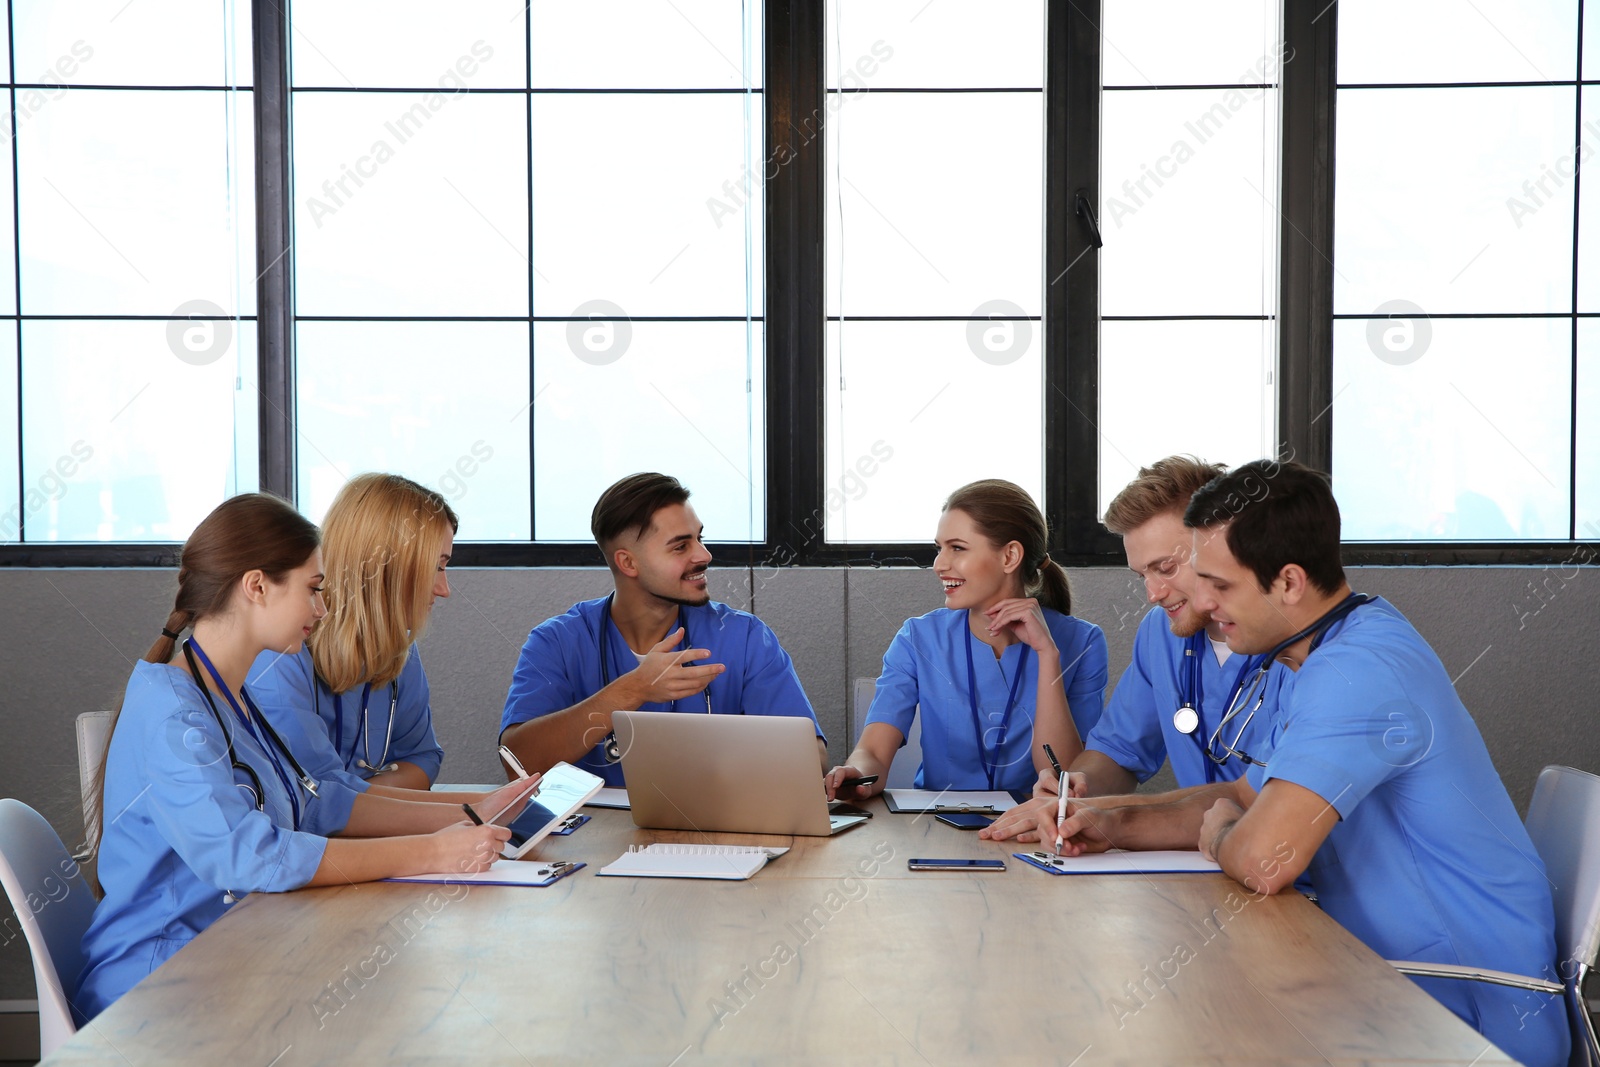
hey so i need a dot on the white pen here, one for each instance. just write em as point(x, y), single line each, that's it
point(514, 763)
point(1061, 809)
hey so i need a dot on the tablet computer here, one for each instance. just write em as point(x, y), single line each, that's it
point(562, 791)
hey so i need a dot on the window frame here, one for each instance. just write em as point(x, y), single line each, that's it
point(795, 309)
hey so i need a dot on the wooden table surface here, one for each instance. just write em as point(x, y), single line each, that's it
point(834, 952)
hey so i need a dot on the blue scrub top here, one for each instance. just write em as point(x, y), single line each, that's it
point(1137, 731)
point(926, 668)
point(179, 832)
point(288, 692)
point(1429, 860)
point(560, 666)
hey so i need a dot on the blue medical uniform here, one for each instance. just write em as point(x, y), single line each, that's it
point(179, 832)
point(1137, 731)
point(289, 692)
point(925, 669)
point(1429, 861)
point(560, 666)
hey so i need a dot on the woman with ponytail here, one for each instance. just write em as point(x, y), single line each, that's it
point(998, 672)
point(198, 800)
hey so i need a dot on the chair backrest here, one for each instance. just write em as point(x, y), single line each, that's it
point(53, 905)
point(1564, 822)
point(903, 774)
point(94, 728)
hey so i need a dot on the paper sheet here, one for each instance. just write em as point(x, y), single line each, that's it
point(610, 796)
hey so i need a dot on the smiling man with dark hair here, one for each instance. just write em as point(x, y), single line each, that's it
point(641, 647)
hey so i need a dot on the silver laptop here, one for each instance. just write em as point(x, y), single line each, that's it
point(742, 774)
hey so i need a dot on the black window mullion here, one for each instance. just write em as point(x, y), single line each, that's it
point(16, 264)
point(794, 113)
point(1577, 204)
point(1305, 234)
point(274, 264)
point(1072, 284)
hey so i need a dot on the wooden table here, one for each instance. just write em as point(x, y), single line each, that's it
point(834, 952)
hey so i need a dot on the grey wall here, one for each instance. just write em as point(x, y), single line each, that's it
point(1522, 642)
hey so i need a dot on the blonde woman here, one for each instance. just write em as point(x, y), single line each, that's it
point(355, 700)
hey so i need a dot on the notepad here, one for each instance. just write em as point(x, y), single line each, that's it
point(732, 862)
point(610, 796)
point(921, 801)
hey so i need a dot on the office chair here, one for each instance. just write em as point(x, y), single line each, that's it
point(1564, 823)
point(53, 905)
point(903, 774)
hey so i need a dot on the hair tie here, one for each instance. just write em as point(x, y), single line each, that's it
point(1043, 563)
point(169, 634)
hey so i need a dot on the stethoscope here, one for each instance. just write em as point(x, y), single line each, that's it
point(991, 765)
point(191, 649)
point(365, 762)
point(1186, 720)
point(613, 750)
point(1247, 700)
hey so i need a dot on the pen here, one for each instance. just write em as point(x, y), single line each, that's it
point(1055, 764)
point(474, 817)
point(514, 763)
point(1061, 809)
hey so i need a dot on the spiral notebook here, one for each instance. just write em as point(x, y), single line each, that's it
point(662, 860)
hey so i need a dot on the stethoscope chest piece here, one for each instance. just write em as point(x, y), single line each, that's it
point(1186, 720)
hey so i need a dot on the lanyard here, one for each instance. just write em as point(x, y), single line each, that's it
point(1196, 646)
point(991, 766)
point(249, 722)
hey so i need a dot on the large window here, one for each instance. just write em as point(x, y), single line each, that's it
point(128, 357)
point(935, 185)
point(824, 262)
point(528, 255)
point(1461, 253)
point(1188, 209)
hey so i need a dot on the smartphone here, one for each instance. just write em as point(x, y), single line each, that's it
point(964, 820)
point(955, 865)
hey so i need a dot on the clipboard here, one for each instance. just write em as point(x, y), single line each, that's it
point(1118, 861)
point(533, 874)
point(954, 804)
point(569, 824)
